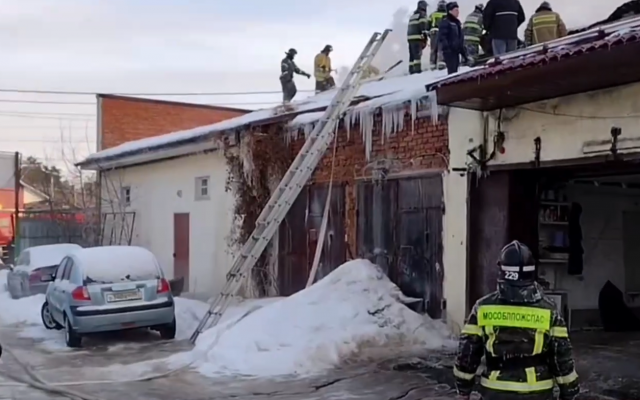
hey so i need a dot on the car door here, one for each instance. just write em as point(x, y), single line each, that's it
point(55, 297)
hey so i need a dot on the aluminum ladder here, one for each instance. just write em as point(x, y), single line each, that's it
point(291, 185)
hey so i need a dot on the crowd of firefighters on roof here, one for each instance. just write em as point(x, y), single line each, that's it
point(491, 29)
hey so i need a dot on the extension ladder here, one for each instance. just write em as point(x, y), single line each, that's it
point(294, 180)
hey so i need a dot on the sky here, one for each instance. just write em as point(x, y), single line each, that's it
point(178, 46)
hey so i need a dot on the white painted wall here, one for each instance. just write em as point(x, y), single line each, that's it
point(158, 190)
point(464, 126)
point(566, 125)
point(601, 222)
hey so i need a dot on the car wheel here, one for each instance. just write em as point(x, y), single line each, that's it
point(47, 318)
point(168, 331)
point(71, 337)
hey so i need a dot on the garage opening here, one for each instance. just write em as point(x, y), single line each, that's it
point(583, 224)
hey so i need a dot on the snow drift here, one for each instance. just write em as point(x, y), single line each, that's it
point(350, 315)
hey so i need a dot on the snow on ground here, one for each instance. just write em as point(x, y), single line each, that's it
point(25, 313)
point(353, 312)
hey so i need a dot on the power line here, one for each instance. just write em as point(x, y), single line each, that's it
point(80, 93)
point(31, 116)
point(87, 103)
point(18, 112)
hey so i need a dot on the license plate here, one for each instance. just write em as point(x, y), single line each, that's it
point(124, 296)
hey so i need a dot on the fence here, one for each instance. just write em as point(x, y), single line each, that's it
point(37, 228)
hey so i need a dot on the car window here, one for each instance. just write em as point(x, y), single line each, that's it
point(67, 270)
point(61, 269)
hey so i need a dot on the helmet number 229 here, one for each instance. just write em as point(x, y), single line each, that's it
point(512, 276)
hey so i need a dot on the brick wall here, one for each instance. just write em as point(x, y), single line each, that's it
point(424, 150)
point(124, 119)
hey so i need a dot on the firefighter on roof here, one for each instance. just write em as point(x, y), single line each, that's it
point(523, 337)
point(544, 25)
point(473, 29)
point(435, 57)
point(322, 70)
point(417, 37)
point(287, 68)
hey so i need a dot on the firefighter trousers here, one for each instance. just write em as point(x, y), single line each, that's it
point(289, 90)
point(488, 394)
point(415, 56)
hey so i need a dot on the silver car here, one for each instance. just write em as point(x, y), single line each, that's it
point(23, 278)
point(109, 288)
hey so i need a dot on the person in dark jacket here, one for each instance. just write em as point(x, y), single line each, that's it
point(501, 19)
point(417, 37)
point(473, 29)
point(451, 39)
point(287, 68)
point(522, 336)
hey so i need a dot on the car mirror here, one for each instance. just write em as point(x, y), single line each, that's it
point(46, 278)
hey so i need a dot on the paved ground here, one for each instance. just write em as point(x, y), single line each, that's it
point(609, 366)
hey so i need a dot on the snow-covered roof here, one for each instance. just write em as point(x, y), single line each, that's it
point(385, 93)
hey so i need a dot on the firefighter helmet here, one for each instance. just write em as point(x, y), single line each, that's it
point(442, 5)
point(422, 5)
point(545, 4)
point(480, 7)
point(517, 265)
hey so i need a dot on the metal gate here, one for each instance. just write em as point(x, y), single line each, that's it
point(37, 228)
point(400, 226)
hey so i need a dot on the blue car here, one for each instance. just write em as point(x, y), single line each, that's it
point(110, 288)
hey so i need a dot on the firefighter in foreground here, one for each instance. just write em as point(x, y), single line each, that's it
point(544, 25)
point(523, 337)
point(473, 29)
point(322, 70)
point(417, 37)
point(435, 58)
point(287, 68)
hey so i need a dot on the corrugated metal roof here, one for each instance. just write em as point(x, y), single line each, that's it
point(563, 48)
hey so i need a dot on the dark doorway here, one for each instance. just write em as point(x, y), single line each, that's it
point(181, 248)
point(408, 236)
point(299, 235)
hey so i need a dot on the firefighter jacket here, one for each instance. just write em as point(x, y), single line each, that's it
point(417, 27)
point(502, 18)
point(473, 28)
point(322, 67)
point(525, 342)
point(287, 68)
point(543, 26)
point(433, 23)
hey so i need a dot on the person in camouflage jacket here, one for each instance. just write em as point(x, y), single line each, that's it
point(522, 336)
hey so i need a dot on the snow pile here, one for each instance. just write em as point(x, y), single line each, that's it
point(111, 264)
point(352, 313)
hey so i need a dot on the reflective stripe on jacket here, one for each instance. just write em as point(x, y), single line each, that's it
point(434, 20)
point(544, 25)
point(322, 67)
point(417, 26)
point(473, 28)
point(526, 346)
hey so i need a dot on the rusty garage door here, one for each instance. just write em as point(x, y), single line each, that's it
point(402, 219)
point(299, 234)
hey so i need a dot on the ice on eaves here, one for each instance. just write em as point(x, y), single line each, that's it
point(388, 94)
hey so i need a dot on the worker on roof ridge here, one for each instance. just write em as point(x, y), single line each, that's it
point(451, 39)
point(436, 59)
point(501, 19)
point(322, 70)
point(521, 334)
point(545, 25)
point(417, 37)
point(287, 68)
point(473, 29)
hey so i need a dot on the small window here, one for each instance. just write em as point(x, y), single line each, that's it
point(202, 188)
point(125, 196)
